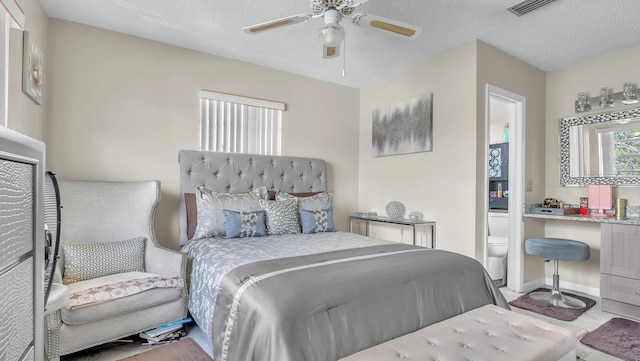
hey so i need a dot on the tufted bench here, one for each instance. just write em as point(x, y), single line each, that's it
point(486, 333)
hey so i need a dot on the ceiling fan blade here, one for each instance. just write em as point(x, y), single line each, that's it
point(300, 18)
point(394, 27)
point(329, 52)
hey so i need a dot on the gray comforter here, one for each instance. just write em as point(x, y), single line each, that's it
point(322, 307)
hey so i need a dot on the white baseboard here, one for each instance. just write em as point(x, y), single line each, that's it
point(569, 286)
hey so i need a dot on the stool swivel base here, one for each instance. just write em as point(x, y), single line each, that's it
point(555, 297)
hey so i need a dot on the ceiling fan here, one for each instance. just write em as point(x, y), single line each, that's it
point(332, 12)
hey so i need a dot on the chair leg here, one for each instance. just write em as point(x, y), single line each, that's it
point(555, 297)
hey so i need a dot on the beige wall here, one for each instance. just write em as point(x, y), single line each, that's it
point(447, 184)
point(563, 86)
point(440, 184)
point(498, 68)
point(25, 115)
point(120, 108)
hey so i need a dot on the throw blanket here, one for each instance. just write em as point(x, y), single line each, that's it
point(323, 307)
point(121, 289)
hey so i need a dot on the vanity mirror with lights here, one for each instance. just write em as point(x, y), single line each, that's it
point(604, 148)
point(601, 149)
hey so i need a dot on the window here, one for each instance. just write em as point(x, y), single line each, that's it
point(620, 150)
point(231, 123)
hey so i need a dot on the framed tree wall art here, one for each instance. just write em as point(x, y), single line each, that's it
point(32, 69)
point(403, 128)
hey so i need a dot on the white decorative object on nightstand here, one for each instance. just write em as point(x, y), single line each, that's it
point(395, 209)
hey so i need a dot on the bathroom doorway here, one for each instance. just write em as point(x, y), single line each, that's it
point(505, 192)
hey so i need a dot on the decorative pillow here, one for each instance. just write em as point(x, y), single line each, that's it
point(245, 224)
point(282, 216)
point(211, 220)
point(272, 194)
point(316, 202)
point(317, 221)
point(85, 261)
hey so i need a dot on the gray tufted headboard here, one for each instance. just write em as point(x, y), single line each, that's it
point(237, 173)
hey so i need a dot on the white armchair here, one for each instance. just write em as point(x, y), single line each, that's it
point(99, 214)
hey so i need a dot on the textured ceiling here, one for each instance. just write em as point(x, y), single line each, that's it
point(563, 33)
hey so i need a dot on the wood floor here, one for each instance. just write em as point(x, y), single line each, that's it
point(588, 321)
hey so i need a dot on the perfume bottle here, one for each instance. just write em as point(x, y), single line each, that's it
point(505, 133)
point(499, 192)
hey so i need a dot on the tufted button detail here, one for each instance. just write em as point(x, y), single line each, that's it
point(476, 338)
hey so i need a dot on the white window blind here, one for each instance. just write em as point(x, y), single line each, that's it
point(232, 123)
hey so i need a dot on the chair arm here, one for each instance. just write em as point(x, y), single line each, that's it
point(164, 261)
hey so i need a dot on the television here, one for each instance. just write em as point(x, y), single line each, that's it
point(22, 250)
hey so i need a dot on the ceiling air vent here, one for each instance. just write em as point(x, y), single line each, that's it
point(528, 5)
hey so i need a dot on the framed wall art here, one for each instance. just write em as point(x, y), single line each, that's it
point(32, 69)
point(402, 128)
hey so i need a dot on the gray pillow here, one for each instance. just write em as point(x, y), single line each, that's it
point(282, 216)
point(315, 202)
point(317, 221)
point(210, 205)
point(245, 224)
point(85, 261)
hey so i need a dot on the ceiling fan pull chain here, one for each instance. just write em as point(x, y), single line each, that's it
point(344, 57)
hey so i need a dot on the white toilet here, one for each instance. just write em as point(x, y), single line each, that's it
point(497, 243)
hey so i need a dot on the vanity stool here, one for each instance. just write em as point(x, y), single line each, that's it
point(557, 249)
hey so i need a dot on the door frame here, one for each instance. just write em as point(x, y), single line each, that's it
point(515, 255)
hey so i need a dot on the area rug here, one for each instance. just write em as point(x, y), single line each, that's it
point(184, 350)
point(618, 337)
point(559, 313)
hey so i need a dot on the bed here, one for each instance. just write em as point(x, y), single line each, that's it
point(316, 296)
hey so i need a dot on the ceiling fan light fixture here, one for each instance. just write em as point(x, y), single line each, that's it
point(331, 35)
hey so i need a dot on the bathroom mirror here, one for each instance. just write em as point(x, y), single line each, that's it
point(600, 149)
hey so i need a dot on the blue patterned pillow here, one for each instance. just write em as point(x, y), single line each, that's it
point(282, 216)
point(317, 221)
point(245, 224)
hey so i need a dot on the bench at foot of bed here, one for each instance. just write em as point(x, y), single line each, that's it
point(485, 333)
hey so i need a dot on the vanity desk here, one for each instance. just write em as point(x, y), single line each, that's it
point(619, 255)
